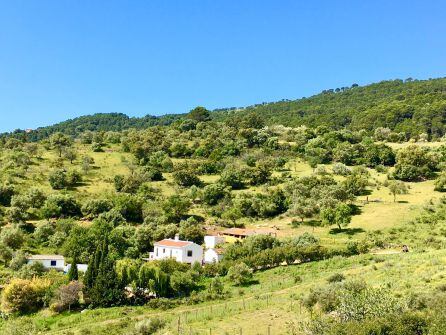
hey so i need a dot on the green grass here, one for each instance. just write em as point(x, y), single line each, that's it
point(274, 301)
point(417, 271)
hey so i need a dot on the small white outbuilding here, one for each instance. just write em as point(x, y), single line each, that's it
point(212, 241)
point(213, 255)
point(80, 268)
point(56, 262)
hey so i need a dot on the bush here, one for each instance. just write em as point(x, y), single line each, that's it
point(36, 197)
point(93, 207)
point(97, 147)
point(31, 270)
point(341, 169)
point(130, 207)
point(6, 193)
point(186, 178)
point(149, 326)
point(25, 296)
point(58, 179)
point(67, 296)
point(336, 278)
point(232, 178)
point(213, 193)
point(61, 205)
point(240, 274)
point(43, 232)
point(12, 237)
point(162, 303)
point(17, 261)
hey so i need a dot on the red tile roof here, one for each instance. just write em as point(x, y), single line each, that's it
point(172, 243)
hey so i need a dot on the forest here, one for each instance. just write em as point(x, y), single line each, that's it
point(350, 180)
point(409, 106)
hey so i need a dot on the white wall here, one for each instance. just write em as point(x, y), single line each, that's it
point(197, 254)
point(80, 267)
point(180, 254)
point(212, 241)
point(161, 252)
point(211, 256)
point(60, 263)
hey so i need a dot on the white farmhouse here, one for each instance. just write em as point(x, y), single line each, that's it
point(56, 262)
point(182, 251)
point(213, 255)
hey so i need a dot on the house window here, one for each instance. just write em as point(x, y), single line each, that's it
point(156, 251)
point(164, 250)
point(189, 253)
point(53, 263)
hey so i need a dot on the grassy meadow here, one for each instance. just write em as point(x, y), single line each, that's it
point(272, 304)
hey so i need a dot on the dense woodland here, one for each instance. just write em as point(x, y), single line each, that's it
point(102, 189)
point(409, 106)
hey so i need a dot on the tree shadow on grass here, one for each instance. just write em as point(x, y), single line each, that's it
point(356, 210)
point(311, 223)
point(365, 192)
point(251, 282)
point(348, 231)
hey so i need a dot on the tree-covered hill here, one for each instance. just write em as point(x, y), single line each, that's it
point(97, 122)
point(409, 106)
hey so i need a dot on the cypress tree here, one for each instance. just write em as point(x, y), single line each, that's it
point(107, 289)
point(93, 267)
point(73, 273)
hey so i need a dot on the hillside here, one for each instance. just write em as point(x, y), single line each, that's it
point(96, 122)
point(339, 204)
point(410, 106)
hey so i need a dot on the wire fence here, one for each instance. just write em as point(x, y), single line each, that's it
point(192, 322)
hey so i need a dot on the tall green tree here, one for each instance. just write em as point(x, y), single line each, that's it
point(73, 273)
point(339, 215)
point(59, 142)
point(397, 187)
point(199, 114)
point(102, 282)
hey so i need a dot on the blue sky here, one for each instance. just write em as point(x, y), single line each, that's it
point(62, 59)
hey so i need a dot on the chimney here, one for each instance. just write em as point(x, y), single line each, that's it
point(177, 237)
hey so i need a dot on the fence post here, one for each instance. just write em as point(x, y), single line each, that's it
point(269, 329)
point(179, 325)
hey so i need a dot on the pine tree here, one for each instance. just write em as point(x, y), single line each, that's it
point(73, 273)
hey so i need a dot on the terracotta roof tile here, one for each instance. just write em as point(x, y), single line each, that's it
point(172, 243)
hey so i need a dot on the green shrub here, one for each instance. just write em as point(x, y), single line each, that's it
point(149, 326)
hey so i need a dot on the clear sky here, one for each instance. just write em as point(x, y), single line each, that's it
point(60, 59)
